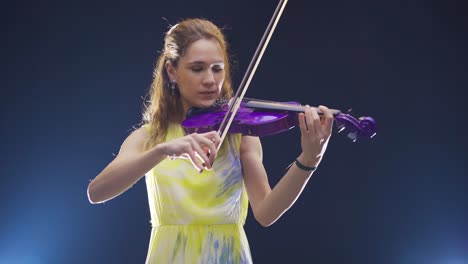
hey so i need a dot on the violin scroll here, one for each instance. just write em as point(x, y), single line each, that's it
point(363, 127)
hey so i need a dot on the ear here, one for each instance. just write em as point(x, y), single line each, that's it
point(171, 71)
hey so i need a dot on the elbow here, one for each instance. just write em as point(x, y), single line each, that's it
point(264, 217)
point(264, 221)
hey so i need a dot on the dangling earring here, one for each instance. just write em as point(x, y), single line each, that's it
point(173, 87)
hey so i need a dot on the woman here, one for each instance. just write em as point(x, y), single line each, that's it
point(198, 206)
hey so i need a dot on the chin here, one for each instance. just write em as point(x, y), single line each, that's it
point(205, 103)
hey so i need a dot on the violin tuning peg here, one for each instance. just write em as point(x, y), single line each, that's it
point(353, 136)
point(341, 129)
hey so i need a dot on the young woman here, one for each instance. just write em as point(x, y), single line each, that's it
point(198, 206)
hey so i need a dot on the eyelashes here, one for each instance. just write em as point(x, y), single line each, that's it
point(200, 69)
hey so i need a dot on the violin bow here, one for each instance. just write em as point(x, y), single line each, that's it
point(237, 99)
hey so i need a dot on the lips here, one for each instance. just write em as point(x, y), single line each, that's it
point(208, 93)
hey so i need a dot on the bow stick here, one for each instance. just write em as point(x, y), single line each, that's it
point(236, 101)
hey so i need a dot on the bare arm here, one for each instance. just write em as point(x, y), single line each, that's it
point(268, 205)
point(126, 169)
point(133, 162)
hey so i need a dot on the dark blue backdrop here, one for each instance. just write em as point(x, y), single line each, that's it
point(75, 73)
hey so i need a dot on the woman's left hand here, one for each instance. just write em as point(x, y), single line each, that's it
point(315, 134)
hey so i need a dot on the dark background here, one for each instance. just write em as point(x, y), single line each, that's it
point(74, 74)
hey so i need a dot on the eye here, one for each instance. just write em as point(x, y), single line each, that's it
point(197, 69)
point(218, 69)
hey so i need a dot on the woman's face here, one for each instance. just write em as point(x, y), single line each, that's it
point(199, 74)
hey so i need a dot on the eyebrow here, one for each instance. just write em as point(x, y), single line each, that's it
point(203, 62)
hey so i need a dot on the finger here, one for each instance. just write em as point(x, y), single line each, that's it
point(209, 149)
point(213, 137)
point(328, 119)
point(315, 121)
point(200, 155)
point(195, 161)
point(190, 154)
point(302, 124)
point(309, 120)
point(190, 150)
point(212, 145)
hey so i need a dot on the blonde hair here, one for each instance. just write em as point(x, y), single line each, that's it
point(163, 108)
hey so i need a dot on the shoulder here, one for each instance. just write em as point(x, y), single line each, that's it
point(250, 146)
point(140, 134)
point(136, 140)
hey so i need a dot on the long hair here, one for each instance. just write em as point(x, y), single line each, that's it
point(164, 108)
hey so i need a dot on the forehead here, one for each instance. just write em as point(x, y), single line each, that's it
point(203, 50)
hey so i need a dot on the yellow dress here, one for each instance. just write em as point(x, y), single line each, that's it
point(198, 217)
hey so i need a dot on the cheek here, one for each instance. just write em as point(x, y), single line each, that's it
point(220, 84)
point(220, 80)
point(188, 83)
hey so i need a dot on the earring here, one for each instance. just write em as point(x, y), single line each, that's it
point(173, 87)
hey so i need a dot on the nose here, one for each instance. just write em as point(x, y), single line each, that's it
point(209, 78)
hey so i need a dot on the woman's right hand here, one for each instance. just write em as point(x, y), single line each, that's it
point(200, 149)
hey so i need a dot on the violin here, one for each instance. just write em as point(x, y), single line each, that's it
point(263, 118)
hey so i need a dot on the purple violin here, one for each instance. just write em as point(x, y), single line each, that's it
point(264, 118)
